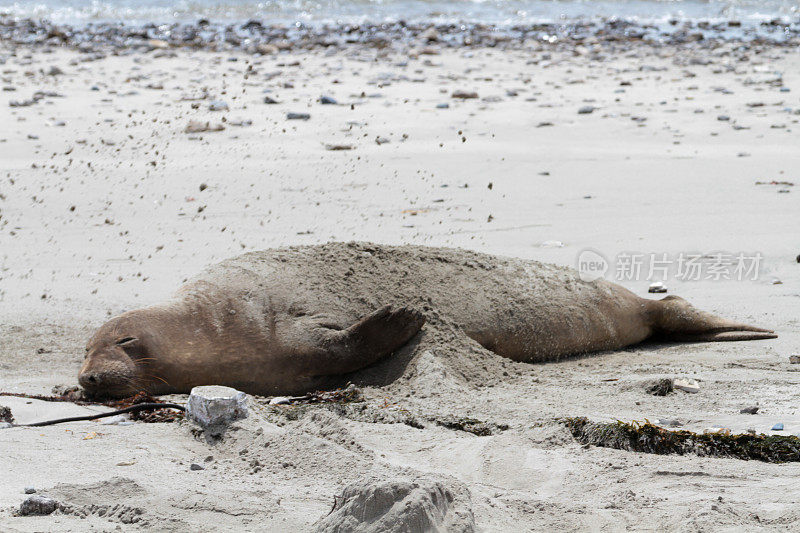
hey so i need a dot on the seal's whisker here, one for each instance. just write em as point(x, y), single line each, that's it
point(164, 381)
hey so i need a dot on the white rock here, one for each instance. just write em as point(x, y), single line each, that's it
point(278, 400)
point(687, 385)
point(657, 287)
point(213, 407)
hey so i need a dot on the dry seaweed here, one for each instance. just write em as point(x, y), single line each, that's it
point(75, 395)
point(649, 438)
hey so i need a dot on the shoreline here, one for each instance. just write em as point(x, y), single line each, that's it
point(257, 37)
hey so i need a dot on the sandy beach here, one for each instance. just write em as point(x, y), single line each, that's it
point(108, 204)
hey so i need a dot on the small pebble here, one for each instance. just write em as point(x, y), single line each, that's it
point(195, 466)
point(298, 116)
point(587, 109)
point(778, 427)
point(749, 410)
point(657, 287)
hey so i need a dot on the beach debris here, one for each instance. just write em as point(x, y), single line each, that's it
point(659, 387)
point(218, 105)
point(282, 400)
point(347, 395)
point(717, 430)
point(686, 385)
point(266, 49)
point(649, 438)
point(749, 410)
point(464, 95)
point(338, 147)
point(327, 100)
point(794, 359)
point(298, 116)
point(657, 287)
point(214, 407)
point(381, 140)
point(38, 505)
point(551, 244)
point(778, 427)
point(196, 126)
point(5, 414)
point(586, 110)
point(775, 182)
point(468, 425)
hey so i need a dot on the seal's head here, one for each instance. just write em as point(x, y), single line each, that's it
point(114, 358)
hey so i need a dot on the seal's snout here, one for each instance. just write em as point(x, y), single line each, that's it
point(88, 380)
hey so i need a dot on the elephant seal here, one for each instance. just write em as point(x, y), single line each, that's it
point(280, 321)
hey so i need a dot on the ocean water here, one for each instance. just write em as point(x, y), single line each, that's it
point(358, 11)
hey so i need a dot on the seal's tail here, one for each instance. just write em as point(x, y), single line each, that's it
point(676, 319)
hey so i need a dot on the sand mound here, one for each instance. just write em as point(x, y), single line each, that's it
point(400, 507)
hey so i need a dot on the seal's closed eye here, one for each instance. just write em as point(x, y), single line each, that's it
point(126, 341)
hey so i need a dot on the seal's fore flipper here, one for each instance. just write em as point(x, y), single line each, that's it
point(675, 319)
point(368, 340)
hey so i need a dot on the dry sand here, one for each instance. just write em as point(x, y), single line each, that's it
point(102, 211)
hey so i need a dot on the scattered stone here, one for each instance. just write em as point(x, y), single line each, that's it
point(338, 147)
point(214, 407)
point(327, 100)
point(54, 71)
point(30, 490)
point(464, 95)
point(298, 116)
point(794, 359)
point(778, 427)
point(266, 49)
point(381, 140)
point(38, 505)
point(686, 385)
point(5, 414)
point(218, 105)
point(443, 106)
point(659, 387)
point(270, 100)
point(587, 109)
point(657, 287)
point(195, 466)
point(749, 410)
point(196, 126)
point(430, 35)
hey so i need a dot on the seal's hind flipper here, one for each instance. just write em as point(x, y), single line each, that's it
point(676, 319)
point(365, 342)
